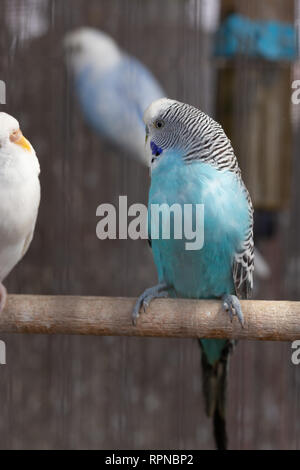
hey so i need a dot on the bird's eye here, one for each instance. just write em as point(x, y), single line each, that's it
point(15, 135)
point(159, 123)
point(75, 48)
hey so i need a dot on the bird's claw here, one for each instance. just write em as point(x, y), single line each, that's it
point(232, 306)
point(135, 314)
point(146, 297)
point(140, 304)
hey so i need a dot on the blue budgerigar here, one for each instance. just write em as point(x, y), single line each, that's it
point(113, 88)
point(193, 162)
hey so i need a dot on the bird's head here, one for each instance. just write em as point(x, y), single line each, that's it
point(14, 147)
point(184, 130)
point(87, 46)
point(11, 137)
point(164, 124)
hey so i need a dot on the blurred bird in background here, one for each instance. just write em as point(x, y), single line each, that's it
point(19, 196)
point(113, 88)
point(193, 162)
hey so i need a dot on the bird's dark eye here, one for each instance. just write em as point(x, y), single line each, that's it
point(159, 123)
point(75, 48)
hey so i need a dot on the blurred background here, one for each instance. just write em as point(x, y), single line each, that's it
point(226, 58)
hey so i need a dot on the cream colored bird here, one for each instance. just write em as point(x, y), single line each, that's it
point(19, 196)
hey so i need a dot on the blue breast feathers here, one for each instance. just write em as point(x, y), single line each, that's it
point(205, 273)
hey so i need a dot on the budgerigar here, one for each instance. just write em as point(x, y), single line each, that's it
point(193, 162)
point(19, 196)
point(113, 88)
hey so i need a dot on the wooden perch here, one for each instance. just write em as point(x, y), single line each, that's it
point(264, 320)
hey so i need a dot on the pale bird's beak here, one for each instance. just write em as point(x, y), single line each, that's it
point(18, 138)
point(147, 134)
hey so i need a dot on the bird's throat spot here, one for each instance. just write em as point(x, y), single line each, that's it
point(155, 149)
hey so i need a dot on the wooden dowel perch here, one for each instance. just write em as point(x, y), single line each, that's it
point(264, 320)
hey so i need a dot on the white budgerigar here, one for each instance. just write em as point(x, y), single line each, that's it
point(19, 196)
point(113, 88)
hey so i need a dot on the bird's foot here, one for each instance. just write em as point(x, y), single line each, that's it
point(3, 296)
point(159, 291)
point(232, 306)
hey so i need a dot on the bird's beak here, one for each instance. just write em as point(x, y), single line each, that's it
point(24, 143)
point(19, 139)
point(147, 134)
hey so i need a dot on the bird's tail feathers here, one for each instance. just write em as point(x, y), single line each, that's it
point(214, 379)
